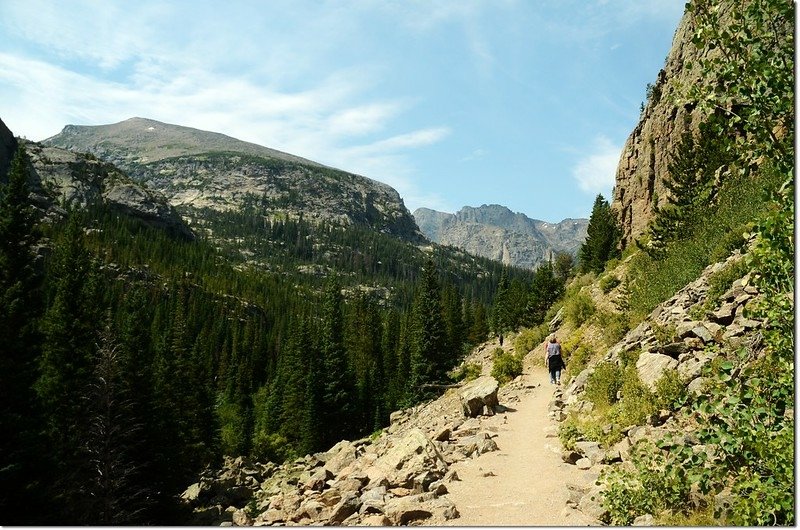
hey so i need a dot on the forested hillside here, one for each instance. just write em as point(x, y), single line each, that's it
point(135, 356)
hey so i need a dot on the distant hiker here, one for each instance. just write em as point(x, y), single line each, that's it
point(553, 359)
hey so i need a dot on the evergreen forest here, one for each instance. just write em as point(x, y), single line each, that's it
point(134, 357)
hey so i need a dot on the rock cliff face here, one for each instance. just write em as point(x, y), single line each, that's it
point(8, 144)
point(495, 232)
point(199, 169)
point(60, 178)
point(645, 157)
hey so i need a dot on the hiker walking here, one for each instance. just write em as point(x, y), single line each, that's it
point(553, 360)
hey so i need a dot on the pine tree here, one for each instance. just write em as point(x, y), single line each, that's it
point(428, 336)
point(116, 492)
point(602, 236)
point(339, 393)
point(65, 367)
point(691, 184)
point(545, 290)
point(501, 311)
point(20, 343)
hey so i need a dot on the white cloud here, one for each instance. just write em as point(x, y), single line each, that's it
point(596, 171)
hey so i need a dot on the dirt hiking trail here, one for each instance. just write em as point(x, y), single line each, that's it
point(525, 482)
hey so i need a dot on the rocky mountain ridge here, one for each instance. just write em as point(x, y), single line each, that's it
point(645, 157)
point(199, 169)
point(59, 180)
point(495, 232)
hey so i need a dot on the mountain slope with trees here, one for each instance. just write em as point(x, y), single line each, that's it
point(203, 344)
point(199, 170)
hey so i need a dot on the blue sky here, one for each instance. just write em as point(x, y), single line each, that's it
point(524, 103)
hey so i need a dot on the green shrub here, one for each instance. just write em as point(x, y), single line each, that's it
point(603, 385)
point(467, 372)
point(608, 282)
point(579, 309)
point(614, 325)
point(637, 402)
point(506, 367)
point(272, 447)
point(529, 339)
point(577, 360)
point(629, 357)
point(568, 433)
point(663, 334)
point(671, 391)
point(722, 281)
point(652, 487)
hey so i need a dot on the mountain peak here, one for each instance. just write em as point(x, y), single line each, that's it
point(202, 169)
point(494, 231)
point(149, 140)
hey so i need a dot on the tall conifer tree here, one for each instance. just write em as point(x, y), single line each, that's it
point(339, 390)
point(20, 343)
point(602, 236)
point(428, 335)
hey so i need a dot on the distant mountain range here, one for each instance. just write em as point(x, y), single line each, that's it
point(199, 169)
point(493, 231)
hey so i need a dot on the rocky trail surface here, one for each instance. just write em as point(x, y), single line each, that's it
point(525, 483)
point(480, 454)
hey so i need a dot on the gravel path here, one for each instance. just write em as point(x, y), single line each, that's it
point(524, 483)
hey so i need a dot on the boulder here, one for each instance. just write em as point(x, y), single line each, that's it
point(318, 479)
point(644, 520)
point(479, 394)
point(340, 456)
point(570, 457)
point(590, 450)
point(349, 505)
point(195, 491)
point(311, 509)
point(414, 509)
point(375, 520)
point(556, 321)
point(407, 456)
point(591, 504)
point(240, 518)
point(724, 315)
point(651, 367)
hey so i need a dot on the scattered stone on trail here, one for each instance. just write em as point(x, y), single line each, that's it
point(590, 450)
point(644, 520)
point(570, 457)
point(479, 395)
point(583, 463)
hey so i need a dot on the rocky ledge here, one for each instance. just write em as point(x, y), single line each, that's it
point(397, 478)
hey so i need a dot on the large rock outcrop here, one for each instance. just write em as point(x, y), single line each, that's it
point(8, 145)
point(60, 178)
point(644, 161)
point(495, 232)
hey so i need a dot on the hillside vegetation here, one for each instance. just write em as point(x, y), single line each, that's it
point(707, 438)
